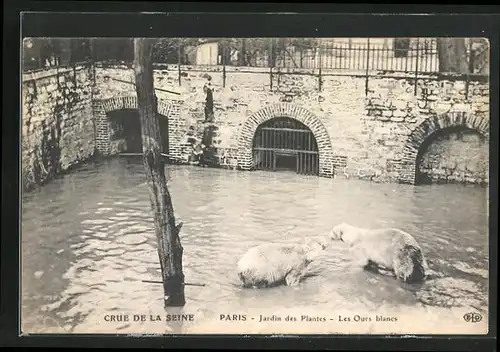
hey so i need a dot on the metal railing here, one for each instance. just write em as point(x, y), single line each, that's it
point(418, 55)
point(382, 54)
point(366, 57)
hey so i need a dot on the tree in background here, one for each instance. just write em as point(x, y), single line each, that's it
point(479, 61)
point(452, 55)
point(169, 50)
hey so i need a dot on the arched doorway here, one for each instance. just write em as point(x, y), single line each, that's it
point(282, 143)
point(247, 132)
point(107, 131)
point(126, 130)
point(453, 155)
point(436, 147)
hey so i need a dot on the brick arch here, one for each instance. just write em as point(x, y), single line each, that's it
point(427, 129)
point(130, 102)
point(102, 124)
point(247, 132)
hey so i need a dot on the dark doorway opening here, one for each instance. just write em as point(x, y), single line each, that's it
point(126, 126)
point(132, 134)
point(285, 144)
point(453, 155)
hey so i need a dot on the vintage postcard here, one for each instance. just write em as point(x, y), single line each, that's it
point(319, 185)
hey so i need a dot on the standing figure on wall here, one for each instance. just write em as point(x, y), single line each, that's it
point(209, 102)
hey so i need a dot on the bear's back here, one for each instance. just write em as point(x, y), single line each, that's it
point(391, 234)
point(271, 255)
point(402, 238)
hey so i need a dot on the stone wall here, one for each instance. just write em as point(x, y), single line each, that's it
point(57, 122)
point(371, 136)
point(365, 128)
point(399, 121)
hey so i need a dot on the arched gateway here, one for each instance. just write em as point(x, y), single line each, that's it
point(107, 110)
point(422, 134)
point(285, 136)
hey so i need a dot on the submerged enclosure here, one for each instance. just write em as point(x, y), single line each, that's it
point(85, 252)
point(345, 114)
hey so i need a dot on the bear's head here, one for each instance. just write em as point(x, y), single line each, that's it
point(338, 232)
point(346, 233)
point(314, 246)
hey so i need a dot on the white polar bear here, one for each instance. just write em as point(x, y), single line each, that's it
point(273, 264)
point(386, 248)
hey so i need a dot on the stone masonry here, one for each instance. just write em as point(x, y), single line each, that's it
point(57, 122)
point(371, 128)
point(372, 136)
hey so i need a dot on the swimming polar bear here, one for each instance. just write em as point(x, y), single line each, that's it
point(273, 264)
point(386, 248)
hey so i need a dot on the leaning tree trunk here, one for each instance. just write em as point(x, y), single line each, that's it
point(452, 55)
point(167, 232)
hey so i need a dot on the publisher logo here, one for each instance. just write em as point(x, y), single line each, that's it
point(473, 317)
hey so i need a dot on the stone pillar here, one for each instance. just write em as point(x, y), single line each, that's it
point(326, 167)
point(102, 129)
point(245, 159)
point(175, 130)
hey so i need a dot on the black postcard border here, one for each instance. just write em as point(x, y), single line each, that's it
point(211, 19)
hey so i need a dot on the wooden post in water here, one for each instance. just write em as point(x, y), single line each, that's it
point(167, 232)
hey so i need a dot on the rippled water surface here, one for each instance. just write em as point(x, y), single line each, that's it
point(88, 241)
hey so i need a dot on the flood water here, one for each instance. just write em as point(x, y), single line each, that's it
point(88, 241)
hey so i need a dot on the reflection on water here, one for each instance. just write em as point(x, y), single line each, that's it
point(88, 241)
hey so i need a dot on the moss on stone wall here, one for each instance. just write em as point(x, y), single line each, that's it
point(57, 124)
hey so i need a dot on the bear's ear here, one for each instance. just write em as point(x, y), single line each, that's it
point(335, 233)
point(332, 235)
point(341, 234)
